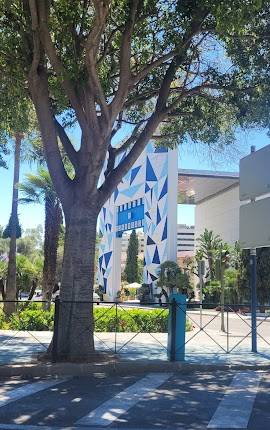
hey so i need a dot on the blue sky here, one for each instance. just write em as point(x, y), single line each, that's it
point(190, 157)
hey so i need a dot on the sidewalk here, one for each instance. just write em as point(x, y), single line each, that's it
point(201, 350)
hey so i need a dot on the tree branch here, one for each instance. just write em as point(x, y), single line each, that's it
point(38, 85)
point(147, 69)
point(68, 147)
point(124, 166)
point(92, 46)
point(125, 54)
point(57, 63)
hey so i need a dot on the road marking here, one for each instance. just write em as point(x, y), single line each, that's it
point(41, 427)
point(236, 406)
point(27, 390)
point(30, 427)
point(109, 411)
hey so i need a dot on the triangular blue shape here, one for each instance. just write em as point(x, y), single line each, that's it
point(161, 149)
point(153, 277)
point(134, 173)
point(164, 234)
point(100, 261)
point(147, 188)
point(150, 174)
point(164, 189)
point(116, 192)
point(147, 214)
point(158, 216)
point(105, 284)
point(150, 241)
point(156, 259)
point(104, 212)
point(107, 257)
point(129, 192)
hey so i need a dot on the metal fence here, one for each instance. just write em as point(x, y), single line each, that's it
point(122, 329)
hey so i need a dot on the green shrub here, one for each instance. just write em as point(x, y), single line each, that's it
point(32, 319)
point(4, 325)
point(132, 320)
point(106, 320)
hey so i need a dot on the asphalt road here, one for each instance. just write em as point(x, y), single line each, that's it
point(238, 325)
point(142, 402)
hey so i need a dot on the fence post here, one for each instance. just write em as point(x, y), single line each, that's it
point(177, 327)
point(253, 279)
point(115, 328)
point(55, 329)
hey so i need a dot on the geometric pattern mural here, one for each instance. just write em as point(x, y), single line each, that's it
point(141, 199)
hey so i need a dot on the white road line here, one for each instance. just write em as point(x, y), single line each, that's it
point(109, 411)
point(30, 427)
point(41, 427)
point(27, 390)
point(236, 406)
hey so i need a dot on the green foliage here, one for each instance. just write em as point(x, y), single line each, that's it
point(27, 271)
point(131, 320)
point(263, 275)
point(30, 244)
point(7, 231)
point(209, 245)
point(4, 150)
point(143, 293)
point(32, 319)
point(4, 243)
point(3, 269)
point(172, 278)
point(131, 270)
point(36, 188)
point(159, 28)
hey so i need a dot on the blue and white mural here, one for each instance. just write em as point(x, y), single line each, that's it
point(147, 198)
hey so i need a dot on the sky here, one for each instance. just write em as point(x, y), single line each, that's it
point(190, 157)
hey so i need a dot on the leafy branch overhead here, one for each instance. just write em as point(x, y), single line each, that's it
point(125, 68)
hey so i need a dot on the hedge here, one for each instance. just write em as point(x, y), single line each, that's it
point(129, 320)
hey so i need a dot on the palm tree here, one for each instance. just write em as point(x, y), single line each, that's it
point(39, 189)
point(208, 249)
point(13, 231)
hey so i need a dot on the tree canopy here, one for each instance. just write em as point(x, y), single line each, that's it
point(106, 64)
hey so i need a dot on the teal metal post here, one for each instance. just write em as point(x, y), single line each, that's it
point(177, 327)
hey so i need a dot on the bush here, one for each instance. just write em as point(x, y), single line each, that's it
point(130, 320)
point(32, 319)
point(4, 325)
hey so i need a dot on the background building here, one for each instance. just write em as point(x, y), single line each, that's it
point(216, 199)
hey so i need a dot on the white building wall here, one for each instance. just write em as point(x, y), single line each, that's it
point(220, 214)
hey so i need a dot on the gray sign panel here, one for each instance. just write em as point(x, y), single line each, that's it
point(255, 224)
point(255, 174)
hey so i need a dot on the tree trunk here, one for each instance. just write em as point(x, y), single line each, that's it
point(75, 340)
point(53, 220)
point(10, 305)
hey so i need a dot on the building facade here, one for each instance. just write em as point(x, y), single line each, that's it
point(147, 199)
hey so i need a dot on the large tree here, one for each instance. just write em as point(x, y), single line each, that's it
point(110, 65)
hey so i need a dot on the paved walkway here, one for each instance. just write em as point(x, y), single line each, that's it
point(201, 348)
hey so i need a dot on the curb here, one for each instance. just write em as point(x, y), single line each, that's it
point(121, 367)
